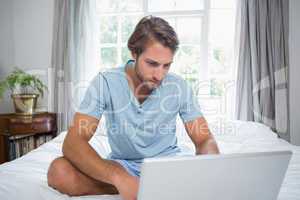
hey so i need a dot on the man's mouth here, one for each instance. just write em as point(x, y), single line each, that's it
point(155, 82)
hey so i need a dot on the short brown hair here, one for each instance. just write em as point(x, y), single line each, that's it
point(149, 29)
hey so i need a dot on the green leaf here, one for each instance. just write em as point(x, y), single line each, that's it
point(20, 78)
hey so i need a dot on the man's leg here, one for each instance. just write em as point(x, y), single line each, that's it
point(67, 179)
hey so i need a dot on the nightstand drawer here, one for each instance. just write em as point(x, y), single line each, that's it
point(31, 125)
point(20, 128)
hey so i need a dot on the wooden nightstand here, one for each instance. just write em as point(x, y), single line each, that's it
point(16, 126)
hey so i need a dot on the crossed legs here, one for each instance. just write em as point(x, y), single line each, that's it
point(67, 179)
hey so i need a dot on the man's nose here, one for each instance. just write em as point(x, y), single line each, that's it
point(158, 73)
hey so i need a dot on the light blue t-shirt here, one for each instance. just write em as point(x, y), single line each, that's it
point(137, 131)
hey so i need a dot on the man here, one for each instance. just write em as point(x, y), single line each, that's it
point(140, 102)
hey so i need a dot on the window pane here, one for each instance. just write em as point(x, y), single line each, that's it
point(174, 5)
point(221, 48)
point(125, 55)
point(219, 60)
point(189, 30)
point(187, 63)
point(220, 55)
point(108, 57)
point(108, 6)
point(128, 25)
point(216, 87)
point(222, 4)
point(222, 24)
point(108, 30)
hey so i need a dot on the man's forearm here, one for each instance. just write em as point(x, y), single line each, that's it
point(86, 159)
point(209, 146)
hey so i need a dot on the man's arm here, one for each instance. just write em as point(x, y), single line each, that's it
point(201, 136)
point(78, 151)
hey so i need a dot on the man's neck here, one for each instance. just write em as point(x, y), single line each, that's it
point(137, 85)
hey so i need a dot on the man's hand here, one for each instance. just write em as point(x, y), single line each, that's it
point(127, 186)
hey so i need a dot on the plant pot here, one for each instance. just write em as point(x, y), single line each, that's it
point(24, 104)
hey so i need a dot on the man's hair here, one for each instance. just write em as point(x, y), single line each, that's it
point(151, 29)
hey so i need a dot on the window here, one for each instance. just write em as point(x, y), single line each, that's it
point(205, 29)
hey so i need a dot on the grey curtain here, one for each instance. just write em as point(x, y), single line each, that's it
point(262, 63)
point(73, 55)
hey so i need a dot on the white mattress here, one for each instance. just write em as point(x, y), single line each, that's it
point(25, 178)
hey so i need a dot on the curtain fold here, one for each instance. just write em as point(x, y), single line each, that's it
point(262, 63)
point(74, 56)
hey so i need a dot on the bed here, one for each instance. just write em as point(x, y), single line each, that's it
point(26, 178)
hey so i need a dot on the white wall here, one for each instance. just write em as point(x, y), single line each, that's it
point(6, 46)
point(295, 71)
point(27, 34)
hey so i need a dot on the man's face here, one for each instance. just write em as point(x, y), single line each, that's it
point(153, 64)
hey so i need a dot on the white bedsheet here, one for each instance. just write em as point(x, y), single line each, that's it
point(25, 178)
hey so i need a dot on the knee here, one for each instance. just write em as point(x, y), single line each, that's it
point(61, 176)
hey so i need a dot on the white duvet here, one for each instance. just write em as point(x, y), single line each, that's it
point(25, 178)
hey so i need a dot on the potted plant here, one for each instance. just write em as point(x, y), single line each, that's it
point(25, 90)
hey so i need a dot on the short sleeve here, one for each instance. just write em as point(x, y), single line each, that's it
point(95, 101)
point(189, 107)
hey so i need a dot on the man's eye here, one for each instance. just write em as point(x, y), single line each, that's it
point(152, 64)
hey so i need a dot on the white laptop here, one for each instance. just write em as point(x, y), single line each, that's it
point(245, 176)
